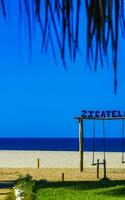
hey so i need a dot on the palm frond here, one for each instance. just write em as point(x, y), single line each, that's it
point(60, 25)
point(3, 7)
point(104, 17)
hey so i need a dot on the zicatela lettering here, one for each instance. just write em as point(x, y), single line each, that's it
point(102, 114)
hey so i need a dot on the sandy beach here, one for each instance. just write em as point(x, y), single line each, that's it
point(53, 164)
point(55, 159)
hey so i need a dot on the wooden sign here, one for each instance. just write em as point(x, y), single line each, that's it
point(102, 114)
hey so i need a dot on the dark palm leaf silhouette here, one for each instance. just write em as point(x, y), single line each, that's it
point(59, 22)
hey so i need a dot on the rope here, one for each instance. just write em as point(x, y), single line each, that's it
point(93, 159)
point(123, 136)
point(104, 138)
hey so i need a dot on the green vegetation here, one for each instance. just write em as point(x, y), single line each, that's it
point(87, 190)
point(91, 190)
point(27, 185)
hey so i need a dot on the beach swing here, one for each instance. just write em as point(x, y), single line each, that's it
point(123, 142)
point(104, 154)
point(94, 141)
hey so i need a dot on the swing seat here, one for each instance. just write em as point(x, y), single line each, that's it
point(93, 164)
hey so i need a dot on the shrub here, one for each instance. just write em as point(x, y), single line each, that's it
point(27, 185)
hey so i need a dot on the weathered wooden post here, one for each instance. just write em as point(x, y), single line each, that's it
point(81, 143)
point(38, 163)
point(62, 177)
point(97, 168)
point(104, 165)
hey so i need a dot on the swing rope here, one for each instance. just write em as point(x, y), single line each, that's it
point(94, 141)
point(104, 139)
point(123, 137)
point(93, 156)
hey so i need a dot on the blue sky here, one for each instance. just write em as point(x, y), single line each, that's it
point(41, 99)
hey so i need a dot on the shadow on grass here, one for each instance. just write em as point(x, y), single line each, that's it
point(83, 185)
point(117, 192)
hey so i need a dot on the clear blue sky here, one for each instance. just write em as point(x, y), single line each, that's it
point(41, 99)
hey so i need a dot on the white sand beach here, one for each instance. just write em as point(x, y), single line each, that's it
point(55, 159)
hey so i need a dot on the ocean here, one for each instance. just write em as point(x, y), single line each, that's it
point(62, 144)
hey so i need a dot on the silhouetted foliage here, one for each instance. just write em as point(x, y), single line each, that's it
point(59, 21)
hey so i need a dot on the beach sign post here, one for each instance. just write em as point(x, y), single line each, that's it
point(81, 143)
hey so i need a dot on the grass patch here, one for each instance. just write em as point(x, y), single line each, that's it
point(74, 190)
point(87, 190)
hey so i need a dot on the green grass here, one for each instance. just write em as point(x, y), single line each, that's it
point(84, 190)
point(92, 190)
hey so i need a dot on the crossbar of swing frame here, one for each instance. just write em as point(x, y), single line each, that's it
point(99, 118)
point(93, 164)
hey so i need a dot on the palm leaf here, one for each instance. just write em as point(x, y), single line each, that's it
point(61, 23)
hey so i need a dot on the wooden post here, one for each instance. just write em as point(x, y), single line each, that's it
point(104, 163)
point(97, 168)
point(81, 143)
point(38, 163)
point(62, 176)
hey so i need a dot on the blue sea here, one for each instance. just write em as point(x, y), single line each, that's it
point(62, 144)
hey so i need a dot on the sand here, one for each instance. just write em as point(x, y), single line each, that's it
point(55, 159)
